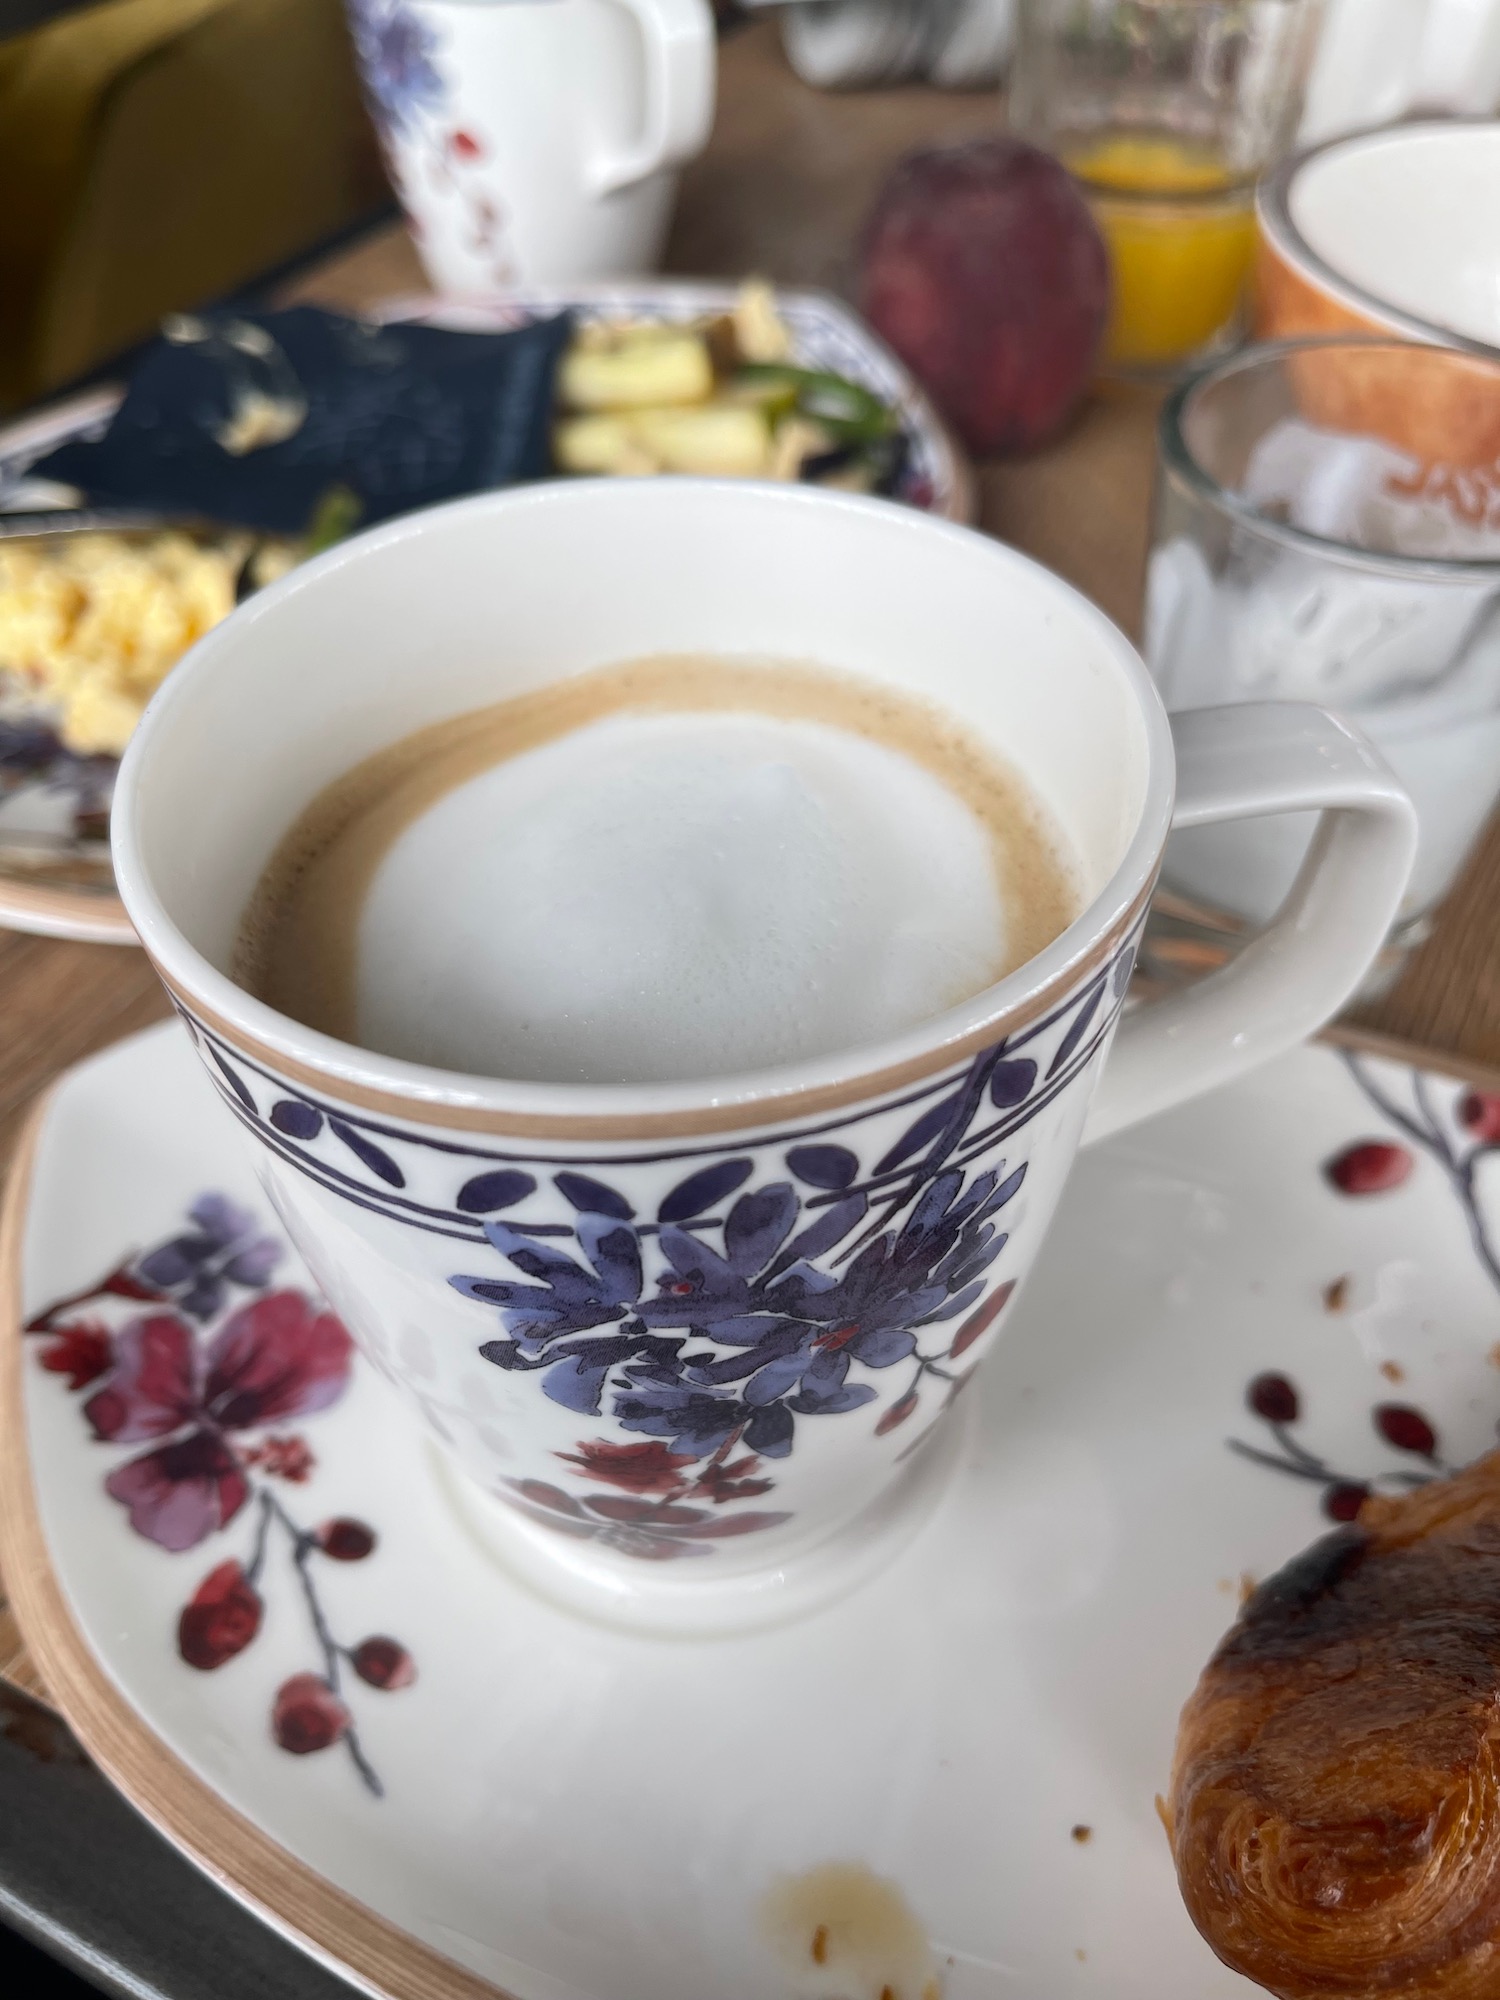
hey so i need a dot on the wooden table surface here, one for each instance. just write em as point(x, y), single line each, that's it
point(783, 189)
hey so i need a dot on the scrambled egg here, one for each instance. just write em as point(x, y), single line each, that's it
point(92, 623)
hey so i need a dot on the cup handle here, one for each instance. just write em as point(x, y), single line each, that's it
point(680, 79)
point(1238, 762)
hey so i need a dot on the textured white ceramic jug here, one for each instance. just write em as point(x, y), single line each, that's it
point(536, 140)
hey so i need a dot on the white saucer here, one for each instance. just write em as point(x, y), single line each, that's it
point(573, 1813)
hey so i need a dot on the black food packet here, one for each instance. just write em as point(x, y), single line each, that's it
point(255, 418)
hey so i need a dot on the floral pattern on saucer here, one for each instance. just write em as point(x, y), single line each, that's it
point(189, 1350)
point(1457, 1138)
point(1015, 1674)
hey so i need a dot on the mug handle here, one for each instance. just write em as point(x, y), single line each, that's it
point(680, 85)
point(1238, 762)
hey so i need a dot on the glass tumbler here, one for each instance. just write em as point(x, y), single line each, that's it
point(1166, 111)
point(1327, 528)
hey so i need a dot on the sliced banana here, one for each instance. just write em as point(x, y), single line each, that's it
point(642, 369)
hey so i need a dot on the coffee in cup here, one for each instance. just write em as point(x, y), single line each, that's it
point(675, 868)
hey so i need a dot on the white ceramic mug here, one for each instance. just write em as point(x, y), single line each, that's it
point(534, 141)
point(722, 1322)
point(1387, 232)
point(1380, 60)
point(864, 44)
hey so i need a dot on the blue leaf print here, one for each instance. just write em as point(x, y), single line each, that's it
point(233, 1081)
point(1080, 1026)
point(1010, 1082)
point(783, 1372)
point(486, 1193)
point(592, 1197)
point(296, 1119)
point(936, 1199)
point(822, 1166)
point(769, 1431)
point(378, 1161)
point(884, 1345)
point(1008, 1187)
point(932, 1123)
point(704, 1190)
point(615, 1253)
point(831, 1227)
point(758, 1225)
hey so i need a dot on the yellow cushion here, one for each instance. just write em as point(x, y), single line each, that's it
point(158, 152)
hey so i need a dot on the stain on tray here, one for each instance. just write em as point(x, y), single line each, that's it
point(841, 1932)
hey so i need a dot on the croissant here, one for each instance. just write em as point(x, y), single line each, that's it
point(1335, 1797)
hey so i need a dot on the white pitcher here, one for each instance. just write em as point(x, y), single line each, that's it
point(536, 140)
point(1379, 60)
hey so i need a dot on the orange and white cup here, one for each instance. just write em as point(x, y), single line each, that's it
point(1391, 233)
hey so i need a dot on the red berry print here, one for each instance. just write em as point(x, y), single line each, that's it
point(1374, 1166)
point(1343, 1500)
point(898, 1413)
point(346, 1540)
point(383, 1663)
point(1479, 1114)
point(1274, 1398)
point(466, 146)
point(284, 1458)
point(220, 1619)
point(83, 1353)
point(307, 1715)
point(981, 1319)
point(1407, 1429)
point(639, 1468)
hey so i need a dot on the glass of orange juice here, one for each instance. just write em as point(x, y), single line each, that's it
point(1167, 111)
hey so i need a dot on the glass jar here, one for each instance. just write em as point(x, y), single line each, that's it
point(1167, 111)
point(1327, 529)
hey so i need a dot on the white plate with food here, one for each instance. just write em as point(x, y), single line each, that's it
point(708, 378)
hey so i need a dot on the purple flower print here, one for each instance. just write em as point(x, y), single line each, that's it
point(182, 1493)
point(192, 1394)
point(796, 1358)
point(276, 1358)
point(395, 47)
point(797, 1328)
point(225, 1246)
point(737, 1311)
point(568, 1296)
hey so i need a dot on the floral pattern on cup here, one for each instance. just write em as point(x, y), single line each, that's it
point(770, 1305)
point(188, 1350)
point(409, 100)
point(396, 49)
point(703, 1305)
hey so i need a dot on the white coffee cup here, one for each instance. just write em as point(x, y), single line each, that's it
point(854, 1224)
point(535, 141)
point(1381, 60)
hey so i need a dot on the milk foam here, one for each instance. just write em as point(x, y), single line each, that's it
point(661, 896)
